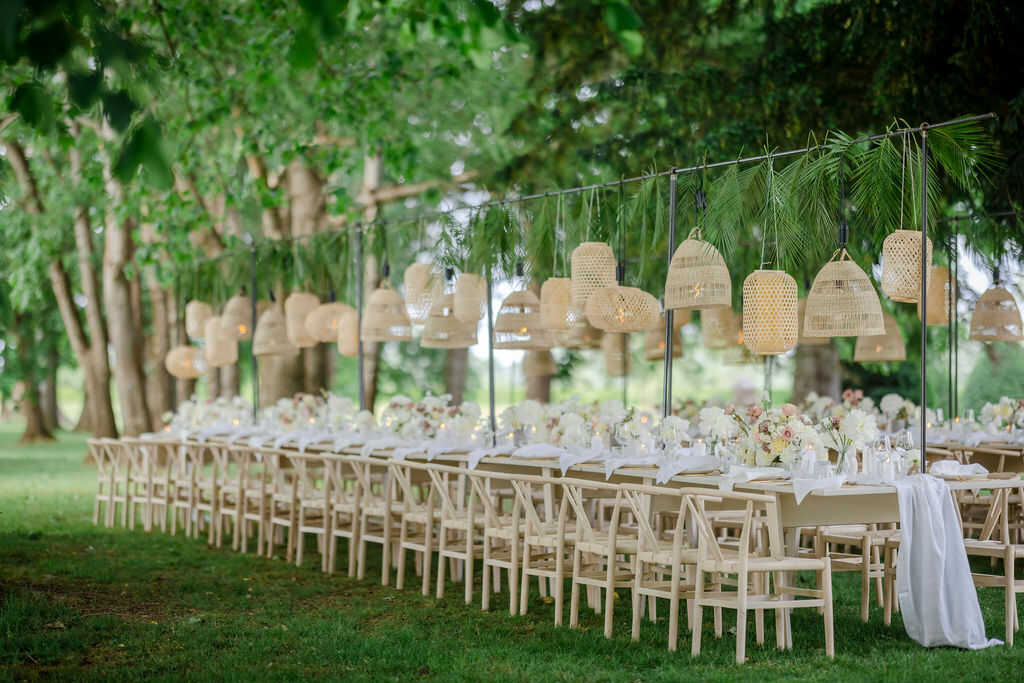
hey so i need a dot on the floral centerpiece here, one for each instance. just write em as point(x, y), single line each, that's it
point(196, 414)
point(1006, 413)
point(895, 407)
point(302, 411)
point(418, 419)
point(850, 433)
point(764, 436)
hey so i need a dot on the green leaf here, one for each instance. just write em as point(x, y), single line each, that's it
point(303, 53)
point(487, 12)
point(84, 88)
point(632, 42)
point(620, 17)
point(34, 105)
point(119, 107)
point(46, 46)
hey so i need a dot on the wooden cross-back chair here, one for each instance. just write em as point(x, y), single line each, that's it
point(502, 536)
point(416, 517)
point(376, 518)
point(313, 496)
point(105, 454)
point(346, 495)
point(456, 527)
point(545, 542)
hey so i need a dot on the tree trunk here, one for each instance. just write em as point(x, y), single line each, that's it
point(85, 418)
point(539, 388)
point(279, 378)
point(160, 384)
point(35, 425)
point(48, 391)
point(229, 381)
point(456, 366)
point(212, 383)
point(817, 370)
point(314, 371)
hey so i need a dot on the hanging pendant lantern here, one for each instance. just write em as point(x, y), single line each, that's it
point(196, 315)
point(271, 336)
point(220, 343)
point(348, 333)
point(617, 360)
point(654, 342)
point(555, 302)
point(470, 297)
point(323, 323)
point(238, 315)
point(443, 330)
point(185, 362)
point(842, 302)
point(886, 347)
point(938, 296)
point(697, 276)
point(622, 309)
point(422, 287)
point(297, 308)
point(996, 317)
point(581, 334)
point(518, 324)
point(386, 317)
point(803, 339)
point(592, 267)
point(901, 265)
point(770, 315)
point(719, 327)
point(539, 364)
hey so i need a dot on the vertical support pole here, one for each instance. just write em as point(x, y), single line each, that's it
point(252, 311)
point(949, 327)
point(924, 290)
point(178, 312)
point(490, 360)
point(954, 279)
point(359, 315)
point(666, 394)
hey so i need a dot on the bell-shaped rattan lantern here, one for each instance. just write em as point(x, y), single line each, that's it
point(386, 317)
point(348, 333)
point(271, 335)
point(470, 297)
point(593, 267)
point(842, 302)
point(697, 276)
point(422, 288)
point(654, 342)
point(622, 309)
point(770, 312)
point(885, 347)
point(617, 360)
point(443, 330)
point(719, 327)
point(196, 315)
point(939, 287)
point(901, 265)
point(555, 302)
point(185, 362)
point(220, 343)
point(297, 308)
point(518, 324)
point(325, 321)
point(539, 364)
point(996, 317)
point(581, 334)
point(238, 315)
point(802, 338)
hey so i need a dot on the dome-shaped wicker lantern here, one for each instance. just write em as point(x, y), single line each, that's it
point(220, 343)
point(697, 276)
point(901, 265)
point(238, 315)
point(443, 330)
point(617, 359)
point(325, 321)
point(719, 327)
point(654, 342)
point(297, 308)
point(185, 362)
point(386, 317)
point(539, 364)
point(196, 315)
point(996, 317)
point(348, 333)
point(593, 267)
point(470, 297)
point(518, 324)
point(271, 335)
point(885, 347)
point(555, 301)
point(938, 296)
point(842, 302)
point(622, 309)
point(422, 288)
point(801, 337)
point(581, 334)
point(770, 312)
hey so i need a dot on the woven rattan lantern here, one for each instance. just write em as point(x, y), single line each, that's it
point(939, 287)
point(885, 347)
point(555, 302)
point(654, 342)
point(697, 276)
point(271, 335)
point(386, 318)
point(770, 312)
point(238, 315)
point(617, 360)
point(901, 265)
point(185, 362)
point(470, 297)
point(581, 334)
point(297, 308)
point(801, 337)
point(996, 317)
point(443, 330)
point(622, 309)
point(719, 327)
point(348, 333)
point(220, 343)
point(422, 287)
point(196, 315)
point(593, 267)
point(518, 325)
point(539, 364)
point(325, 321)
point(842, 302)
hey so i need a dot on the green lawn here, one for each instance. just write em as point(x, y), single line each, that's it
point(81, 602)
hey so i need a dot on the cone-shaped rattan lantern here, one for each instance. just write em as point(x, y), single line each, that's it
point(348, 333)
point(842, 302)
point(238, 315)
point(593, 267)
point(617, 360)
point(886, 347)
point(770, 312)
point(996, 317)
point(622, 309)
point(470, 297)
point(297, 308)
point(386, 317)
point(719, 327)
point(697, 276)
point(220, 343)
point(654, 342)
point(325, 321)
point(518, 324)
point(801, 337)
point(938, 296)
point(581, 334)
point(271, 335)
point(443, 330)
point(555, 301)
point(196, 315)
point(901, 265)
point(539, 364)
point(185, 362)
point(422, 288)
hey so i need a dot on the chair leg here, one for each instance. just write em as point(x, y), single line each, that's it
point(865, 578)
point(513, 577)
point(574, 593)
point(428, 554)
point(889, 574)
point(741, 618)
point(361, 571)
point(698, 614)
point(300, 536)
point(673, 609)
point(485, 599)
point(558, 582)
point(609, 595)
point(467, 574)
point(1011, 595)
point(403, 535)
point(830, 644)
point(441, 563)
point(780, 617)
point(876, 560)
point(637, 599)
point(524, 588)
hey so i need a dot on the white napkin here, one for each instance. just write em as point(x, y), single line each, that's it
point(442, 447)
point(615, 461)
point(475, 456)
point(685, 463)
point(405, 451)
point(741, 473)
point(538, 451)
point(951, 468)
point(382, 444)
point(801, 487)
point(578, 455)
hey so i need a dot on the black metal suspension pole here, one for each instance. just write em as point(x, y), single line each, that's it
point(954, 286)
point(178, 312)
point(359, 315)
point(949, 326)
point(490, 361)
point(252, 311)
point(666, 393)
point(924, 290)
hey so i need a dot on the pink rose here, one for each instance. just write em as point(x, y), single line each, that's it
point(835, 422)
point(788, 409)
point(754, 412)
point(787, 433)
point(729, 409)
point(859, 394)
point(847, 394)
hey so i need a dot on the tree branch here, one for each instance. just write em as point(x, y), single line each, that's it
point(26, 179)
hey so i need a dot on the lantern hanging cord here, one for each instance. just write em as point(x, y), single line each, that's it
point(620, 271)
point(903, 175)
point(843, 230)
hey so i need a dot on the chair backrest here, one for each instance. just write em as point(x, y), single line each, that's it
point(482, 485)
point(708, 545)
point(574, 495)
point(638, 499)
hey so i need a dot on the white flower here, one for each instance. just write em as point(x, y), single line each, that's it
point(674, 428)
point(530, 413)
point(859, 427)
point(612, 411)
point(470, 409)
point(891, 404)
